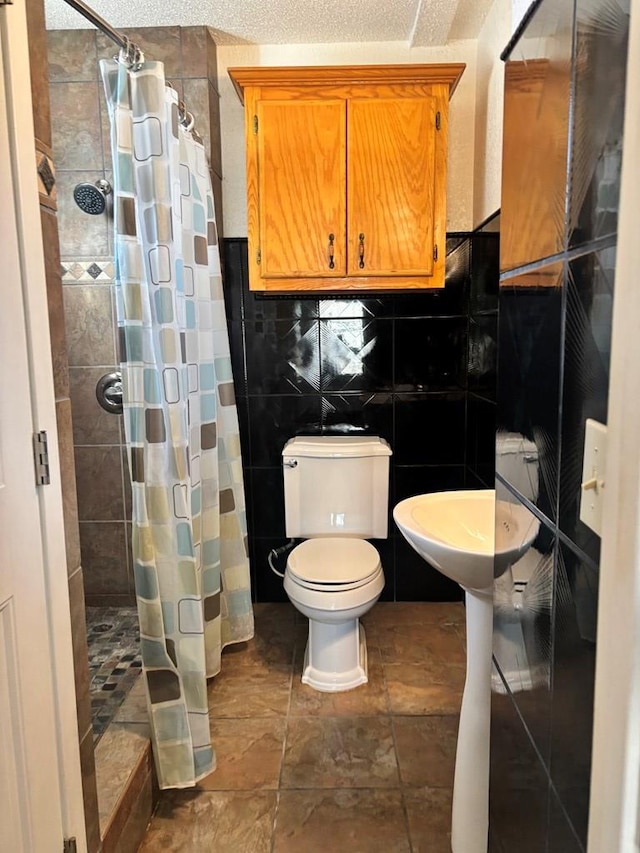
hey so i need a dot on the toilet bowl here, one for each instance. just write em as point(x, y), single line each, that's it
point(333, 582)
point(336, 496)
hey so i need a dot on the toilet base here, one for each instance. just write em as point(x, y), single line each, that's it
point(336, 656)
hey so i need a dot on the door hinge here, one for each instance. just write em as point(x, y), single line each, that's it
point(70, 846)
point(435, 252)
point(258, 256)
point(438, 120)
point(41, 457)
point(255, 124)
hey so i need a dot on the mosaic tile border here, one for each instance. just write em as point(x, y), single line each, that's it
point(75, 272)
point(46, 176)
point(113, 639)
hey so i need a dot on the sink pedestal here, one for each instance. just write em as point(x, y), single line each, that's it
point(470, 813)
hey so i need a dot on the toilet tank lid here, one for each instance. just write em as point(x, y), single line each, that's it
point(508, 443)
point(337, 446)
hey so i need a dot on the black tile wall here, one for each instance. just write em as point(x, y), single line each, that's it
point(482, 354)
point(393, 365)
point(554, 335)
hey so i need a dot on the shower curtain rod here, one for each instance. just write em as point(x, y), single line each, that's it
point(135, 54)
point(99, 22)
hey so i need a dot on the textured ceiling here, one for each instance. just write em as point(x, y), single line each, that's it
point(416, 22)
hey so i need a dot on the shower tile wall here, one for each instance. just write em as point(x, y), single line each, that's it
point(80, 138)
point(391, 365)
point(559, 221)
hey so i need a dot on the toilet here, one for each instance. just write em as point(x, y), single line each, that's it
point(336, 494)
point(517, 460)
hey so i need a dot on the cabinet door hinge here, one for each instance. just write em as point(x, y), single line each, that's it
point(255, 124)
point(69, 846)
point(258, 256)
point(435, 252)
point(41, 457)
point(437, 120)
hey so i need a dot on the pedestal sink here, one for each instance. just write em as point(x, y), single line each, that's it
point(471, 538)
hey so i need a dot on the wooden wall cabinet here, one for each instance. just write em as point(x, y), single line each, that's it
point(346, 175)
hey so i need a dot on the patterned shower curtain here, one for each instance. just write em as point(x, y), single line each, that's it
point(188, 511)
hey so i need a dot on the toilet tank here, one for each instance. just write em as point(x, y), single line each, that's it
point(517, 462)
point(336, 486)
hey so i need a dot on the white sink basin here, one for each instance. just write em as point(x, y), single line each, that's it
point(471, 538)
point(468, 535)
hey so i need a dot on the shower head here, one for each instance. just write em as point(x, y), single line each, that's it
point(92, 198)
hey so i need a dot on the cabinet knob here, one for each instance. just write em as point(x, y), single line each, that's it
point(361, 250)
point(332, 238)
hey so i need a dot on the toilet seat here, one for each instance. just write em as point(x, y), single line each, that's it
point(333, 564)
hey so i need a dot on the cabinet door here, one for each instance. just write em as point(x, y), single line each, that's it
point(391, 175)
point(301, 179)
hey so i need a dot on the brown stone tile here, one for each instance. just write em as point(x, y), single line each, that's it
point(104, 559)
point(91, 424)
point(122, 751)
point(431, 687)
point(198, 821)
point(133, 829)
point(429, 816)
point(426, 748)
point(134, 707)
point(196, 97)
point(125, 599)
point(99, 481)
point(339, 752)
point(159, 44)
point(90, 792)
point(72, 55)
point(194, 51)
point(89, 323)
point(55, 304)
point(419, 613)
point(68, 483)
point(250, 691)
point(214, 131)
point(248, 754)
point(369, 821)
point(36, 28)
point(417, 642)
point(212, 59)
point(364, 701)
point(273, 644)
point(80, 653)
point(81, 235)
point(76, 137)
point(216, 186)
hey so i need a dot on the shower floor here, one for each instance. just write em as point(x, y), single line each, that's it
point(113, 638)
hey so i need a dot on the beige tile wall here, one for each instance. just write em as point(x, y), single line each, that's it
point(81, 146)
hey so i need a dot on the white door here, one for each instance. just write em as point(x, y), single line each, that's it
point(31, 809)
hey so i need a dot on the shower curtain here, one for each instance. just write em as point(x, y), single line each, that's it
point(188, 512)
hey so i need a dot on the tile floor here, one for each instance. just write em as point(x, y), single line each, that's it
point(113, 640)
point(365, 771)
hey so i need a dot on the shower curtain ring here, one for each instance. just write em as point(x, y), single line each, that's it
point(138, 59)
point(123, 56)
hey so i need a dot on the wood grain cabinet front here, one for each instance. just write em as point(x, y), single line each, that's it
point(346, 175)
